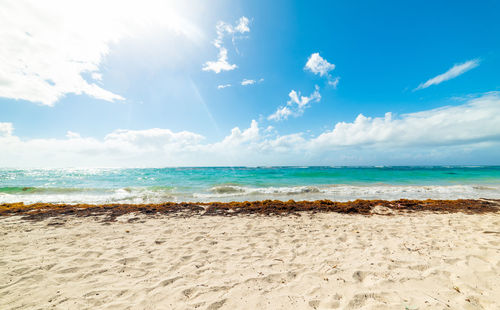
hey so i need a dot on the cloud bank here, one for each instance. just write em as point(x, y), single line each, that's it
point(472, 123)
point(469, 131)
point(452, 73)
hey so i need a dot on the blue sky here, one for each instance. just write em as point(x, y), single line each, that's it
point(138, 67)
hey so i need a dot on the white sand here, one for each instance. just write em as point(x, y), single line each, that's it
point(422, 261)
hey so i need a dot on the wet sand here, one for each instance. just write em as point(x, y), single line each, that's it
point(326, 260)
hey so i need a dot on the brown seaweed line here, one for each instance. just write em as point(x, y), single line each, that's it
point(41, 211)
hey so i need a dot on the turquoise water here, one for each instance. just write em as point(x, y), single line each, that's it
point(246, 183)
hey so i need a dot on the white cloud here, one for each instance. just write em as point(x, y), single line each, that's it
point(304, 100)
point(463, 134)
point(296, 105)
point(223, 86)
point(452, 73)
point(221, 64)
point(281, 113)
point(242, 26)
point(318, 65)
point(247, 82)
point(223, 29)
point(334, 82)
point(47, 47)
point(6, 129)
point(238, 137)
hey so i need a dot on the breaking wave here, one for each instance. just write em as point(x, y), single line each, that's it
point(350, 192)
point(232, 192)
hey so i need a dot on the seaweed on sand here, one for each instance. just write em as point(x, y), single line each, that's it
point(41, 211)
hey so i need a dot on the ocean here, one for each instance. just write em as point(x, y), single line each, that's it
point(203, 184)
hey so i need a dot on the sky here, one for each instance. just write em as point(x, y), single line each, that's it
point(235, 83)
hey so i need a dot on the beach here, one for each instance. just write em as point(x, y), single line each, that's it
point(249, 155)
point(383, 260)
point(250, 238)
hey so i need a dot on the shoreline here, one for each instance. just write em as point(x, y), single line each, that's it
point(41, 211)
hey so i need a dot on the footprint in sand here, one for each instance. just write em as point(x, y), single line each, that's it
point(216, 305)
point(359, 300)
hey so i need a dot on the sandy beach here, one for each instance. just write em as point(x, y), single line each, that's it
point(318, 261)
point(204, 155)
